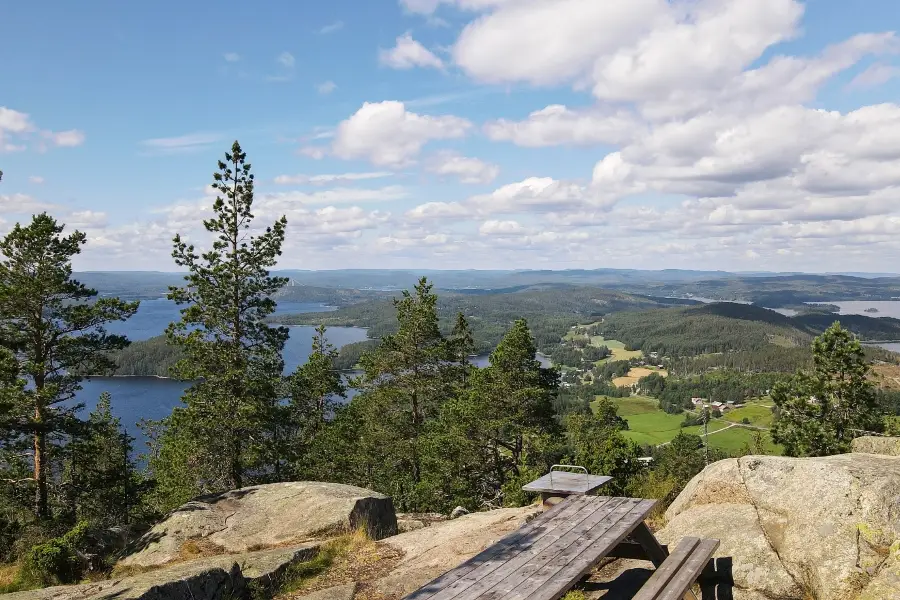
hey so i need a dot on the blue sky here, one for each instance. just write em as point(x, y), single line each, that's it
point(731, 134)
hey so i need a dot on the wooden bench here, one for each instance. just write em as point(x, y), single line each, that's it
point(673, 579)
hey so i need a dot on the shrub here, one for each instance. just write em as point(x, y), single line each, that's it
point(55, 561)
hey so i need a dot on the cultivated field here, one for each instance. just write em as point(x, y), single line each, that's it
point(616, 347)
point(758, 414)
point(635, 374)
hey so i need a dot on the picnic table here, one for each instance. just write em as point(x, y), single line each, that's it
point(549, 555)
point(559, 484)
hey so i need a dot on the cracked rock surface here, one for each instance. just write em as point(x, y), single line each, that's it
point(264, 516)
point(820, 527)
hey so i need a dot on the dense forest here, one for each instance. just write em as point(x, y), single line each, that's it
point(732, 327)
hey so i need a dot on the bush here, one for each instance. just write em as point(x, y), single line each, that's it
point(56, 561)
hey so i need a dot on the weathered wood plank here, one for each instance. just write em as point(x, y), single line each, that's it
point(500, 583)
point(689, 572)
point(560, 574)
point(665, 572)
point(495, 568)
point(655, 551)
point(513, 540)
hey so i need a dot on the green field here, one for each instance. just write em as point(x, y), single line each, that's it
point(647, 424)
point(758, 414)
point(616, 347)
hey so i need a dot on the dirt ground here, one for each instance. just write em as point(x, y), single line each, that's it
point(636, 373)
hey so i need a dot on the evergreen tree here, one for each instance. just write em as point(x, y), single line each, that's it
point(462, 346)
point(230, 352)
point(101, 472)
point(596, 443)
point(818, 413)
point(313, 392)
point(499, 428)
point(404, 383)
point(54, 326)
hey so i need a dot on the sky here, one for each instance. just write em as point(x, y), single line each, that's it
point(486, 134)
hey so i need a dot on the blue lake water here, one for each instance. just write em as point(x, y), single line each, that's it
point(134, 398)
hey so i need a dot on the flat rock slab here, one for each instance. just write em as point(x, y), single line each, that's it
point(871, 444)
point(338, 592)
point(434, 550)
point(213, 578)
point(264, 516)
point(825, 527)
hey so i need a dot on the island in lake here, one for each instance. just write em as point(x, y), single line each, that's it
point(871, 309)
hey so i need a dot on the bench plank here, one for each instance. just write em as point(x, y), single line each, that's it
point(689, 573)
point(674, 577)
point(666, 571)
point(559, 575)
point(510, 542)
point(600, 522)
point(495, 569)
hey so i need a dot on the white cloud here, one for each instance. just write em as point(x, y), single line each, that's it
point(86, 219)
point(326, 87)
point(22, 204)
point(557, 125)
point(17, 130)
point(329, 178)
point(438, 211)
point(467, 170)
point(286, 59)
point(408, 53)
point(332, 27)
point(313, 152)
point(427, 7)
point(36, 179)
point(182, 143)
point(501, 228)
point(287, 200)
point(531, 195)
point(67, 139)
point(875, 75)
point(387, 134)
point(231, 57)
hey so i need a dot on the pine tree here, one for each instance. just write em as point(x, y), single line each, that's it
point(55, 327)
point(462, 346)
point(819, 412)
point(230, 352)
point(100, 469)
point(313, 391)
point(404, 383)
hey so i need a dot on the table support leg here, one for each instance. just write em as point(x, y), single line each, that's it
point(655, 551)
point(551, 499)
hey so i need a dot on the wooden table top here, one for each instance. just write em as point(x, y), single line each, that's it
point(546, 557)
point(567, 483)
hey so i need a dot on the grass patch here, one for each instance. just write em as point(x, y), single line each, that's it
point(635, 374)
point(9, 579)
point(633, 405)
point(734, 440)
point(653, 428)
point(616, 347)
point(756, 414)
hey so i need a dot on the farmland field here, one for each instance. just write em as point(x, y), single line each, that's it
point(616, 347)
point(635, 374)
point(757, 414)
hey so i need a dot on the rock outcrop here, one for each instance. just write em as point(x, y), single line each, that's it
point(264, 516)
point(213, 578)
point(825, 527)
point(431, 551)
point(871, 444)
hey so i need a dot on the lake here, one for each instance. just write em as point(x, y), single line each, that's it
point(886, 308)
point(134, 398)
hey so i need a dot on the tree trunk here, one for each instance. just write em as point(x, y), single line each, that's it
point(41, 509)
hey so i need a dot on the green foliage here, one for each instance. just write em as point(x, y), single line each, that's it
point(221, 436)
point(597, 444)
point(54, 326)
point(152, 357)
point(56, 561)
point(819, 412)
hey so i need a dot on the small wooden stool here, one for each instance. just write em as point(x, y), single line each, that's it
point(559, 484)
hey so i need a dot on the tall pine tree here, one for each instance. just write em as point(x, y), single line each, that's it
point(230, 353)
point(404, 383)
point(820, 412)
point(54, 326)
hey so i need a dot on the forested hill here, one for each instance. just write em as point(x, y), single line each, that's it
point(550, 312)
point(727, 326)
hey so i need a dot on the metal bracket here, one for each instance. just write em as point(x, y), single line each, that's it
point(561, 467)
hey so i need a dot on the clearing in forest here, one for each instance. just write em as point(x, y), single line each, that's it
point(616, 347)
point(635, 374)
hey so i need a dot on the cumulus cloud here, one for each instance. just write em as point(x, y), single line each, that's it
point(17, 131)
point(408, 53)
point(875, 75)
point(557, 125)
point(386, 134)
point(467, 170)
point(326, 87)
